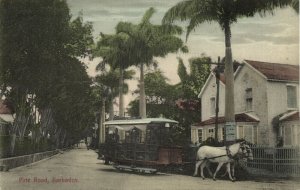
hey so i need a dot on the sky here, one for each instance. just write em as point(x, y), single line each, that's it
point(274, 38)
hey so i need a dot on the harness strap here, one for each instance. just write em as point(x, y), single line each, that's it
point(228, 152)
point(211, 157)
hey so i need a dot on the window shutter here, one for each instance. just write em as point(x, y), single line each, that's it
point(287, 135)
point(291, 97)
point(240, 132)
point(194, 135)
point(248, 133)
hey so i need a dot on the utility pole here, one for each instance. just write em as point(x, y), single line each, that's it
point(217, 70)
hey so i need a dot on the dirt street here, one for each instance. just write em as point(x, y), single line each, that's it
point(80, 169)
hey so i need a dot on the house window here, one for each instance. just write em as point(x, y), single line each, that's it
point(248, 132)
point(249, 99)
point(291, 135)
point(212, 106)
point(291, 97)
point(200, 135)
point(211, 133)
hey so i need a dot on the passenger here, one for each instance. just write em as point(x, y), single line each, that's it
point(117, 137)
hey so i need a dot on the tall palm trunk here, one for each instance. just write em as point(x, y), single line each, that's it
point(111, 109)
point(229, 89)
point(101, 124)
point(121, 96)
point(142, 104)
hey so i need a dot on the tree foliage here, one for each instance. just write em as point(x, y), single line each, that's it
point(179, 101)
point(225, 13)
point(147, 41)
point(39, 69)
point(192, 83)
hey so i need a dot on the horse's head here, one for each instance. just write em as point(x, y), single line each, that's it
point(246, 151)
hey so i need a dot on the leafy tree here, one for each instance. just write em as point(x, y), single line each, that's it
point(148, 41)
point(192, 83)
point(39, 68)
point(225, 13)
point(172, 101)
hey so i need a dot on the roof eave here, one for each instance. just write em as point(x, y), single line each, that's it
point(277, 80)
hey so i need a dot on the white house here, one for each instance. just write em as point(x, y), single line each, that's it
point(266, 104)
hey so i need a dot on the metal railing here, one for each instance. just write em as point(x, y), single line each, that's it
point(23, 146)
point(278, 160)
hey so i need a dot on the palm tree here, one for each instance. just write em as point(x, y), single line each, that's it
point(110, 79)
point(114, 51)
point(225, 13)
point(148, 41)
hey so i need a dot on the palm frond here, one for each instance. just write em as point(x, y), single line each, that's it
point(178, 12)
point(250, 7)
point(125, 27)
point(295, 5)
point(148, 15)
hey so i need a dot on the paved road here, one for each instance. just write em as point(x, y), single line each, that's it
point(80, 169)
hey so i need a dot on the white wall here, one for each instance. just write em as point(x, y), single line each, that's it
point(248, 78)
point(269, 100)
point(277, 103)
point(209, 92)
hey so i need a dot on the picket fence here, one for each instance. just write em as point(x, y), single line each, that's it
point(278, 160)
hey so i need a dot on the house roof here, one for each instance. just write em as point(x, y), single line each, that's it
point(271, 71)
point(276, 71)
point(290, 116)
point(211, 76)
point(241, 117)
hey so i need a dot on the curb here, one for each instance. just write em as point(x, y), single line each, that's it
point(25, 160)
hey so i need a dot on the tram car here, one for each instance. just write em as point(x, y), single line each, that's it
point(142, 145)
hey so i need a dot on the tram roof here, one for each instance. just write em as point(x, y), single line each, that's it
point(139, 121)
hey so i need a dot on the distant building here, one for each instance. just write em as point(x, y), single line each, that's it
point(6, 116)
point(266, 105)
point(6, 112)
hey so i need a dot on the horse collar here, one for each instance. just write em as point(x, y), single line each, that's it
point(228, 152)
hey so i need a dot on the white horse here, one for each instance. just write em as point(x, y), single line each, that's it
point(244, 153)
point(220, 155)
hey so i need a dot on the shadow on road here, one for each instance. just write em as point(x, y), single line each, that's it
point(112, 170)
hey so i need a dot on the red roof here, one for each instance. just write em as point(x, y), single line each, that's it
point(222, 78)
point(292, 117)
point(276, 71)
point(5, 107)
point(188, 104)
point(241, 117)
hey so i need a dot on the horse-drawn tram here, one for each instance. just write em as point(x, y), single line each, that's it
point(143, 145)
point(147, 146)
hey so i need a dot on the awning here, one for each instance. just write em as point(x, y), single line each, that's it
point(290, 116)
point(241, 117)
